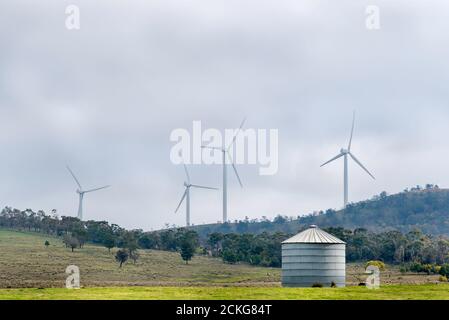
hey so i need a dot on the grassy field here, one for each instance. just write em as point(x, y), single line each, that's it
point(29, 270)
point(397, 292)
point(26, 263)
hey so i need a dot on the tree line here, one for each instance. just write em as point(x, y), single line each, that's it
point(262, 249)
point(76, 233)
point(423, 207)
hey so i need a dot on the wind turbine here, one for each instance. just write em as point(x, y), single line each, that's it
point(81, 193)
point(225, 154)
point(344, 153)
point(186, 195)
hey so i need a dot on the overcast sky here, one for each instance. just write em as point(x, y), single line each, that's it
point(104, 99)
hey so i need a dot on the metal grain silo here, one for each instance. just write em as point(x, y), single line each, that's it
point(313, 257)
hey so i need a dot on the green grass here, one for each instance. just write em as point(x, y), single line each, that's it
point(398, 292)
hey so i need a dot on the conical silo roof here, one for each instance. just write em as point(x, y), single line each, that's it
point(314, 235)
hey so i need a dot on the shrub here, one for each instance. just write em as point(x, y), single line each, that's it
point(427, 268)
point(436, 269)
point(444, 270)
point(333, 285)
point(442, 279)
point(121, 256)
point(317, 285)
point(416, 267)
point(376, 263)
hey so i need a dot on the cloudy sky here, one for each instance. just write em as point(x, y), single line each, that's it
point(104, 99)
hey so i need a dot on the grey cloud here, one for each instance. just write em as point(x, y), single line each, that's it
point(106, 98)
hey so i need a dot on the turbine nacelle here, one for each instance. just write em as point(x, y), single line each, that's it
point(344, 151)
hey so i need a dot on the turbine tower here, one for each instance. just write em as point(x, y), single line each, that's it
point(81, 193)
point(344, 153)
point(186, 195)
point(225, 155)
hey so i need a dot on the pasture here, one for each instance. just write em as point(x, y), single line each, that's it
point(391, 292)
point(25, 262)
point(30, 270)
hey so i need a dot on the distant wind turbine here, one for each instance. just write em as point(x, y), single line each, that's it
point(186, 195)
point(225, 155)
point(81, 193)
point(344, 153)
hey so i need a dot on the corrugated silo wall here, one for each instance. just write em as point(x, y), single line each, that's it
point(306, 264)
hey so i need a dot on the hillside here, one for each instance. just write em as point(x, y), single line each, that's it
point(26, 263)
point(427, 210)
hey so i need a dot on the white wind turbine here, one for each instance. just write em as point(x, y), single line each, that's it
point(186, 195)
point(225, 155)
point(81, 193)
point(344, 153)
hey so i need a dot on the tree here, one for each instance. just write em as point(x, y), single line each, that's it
point(109, 242)
point(214, 241)
point(121, 257)
point(187, 251)
point(129, 242)
point(168, 240)
point(71, 241)
point(134, 256)
point(149, 241)
point(229, 256)
point(80, 234)
point(189, 242)
point(46, 243)
point(280, 219)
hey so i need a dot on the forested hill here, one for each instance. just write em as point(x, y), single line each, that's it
point(426, 209)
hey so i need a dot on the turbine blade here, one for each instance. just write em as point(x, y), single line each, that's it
point(187, 173)
point(237, 133)
point(235, 169)
point(96, 189)
point(74, 177)
point(361, 165)
point(180, 202)
point(202, 187)
point(333, 159)
point(352, 132)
